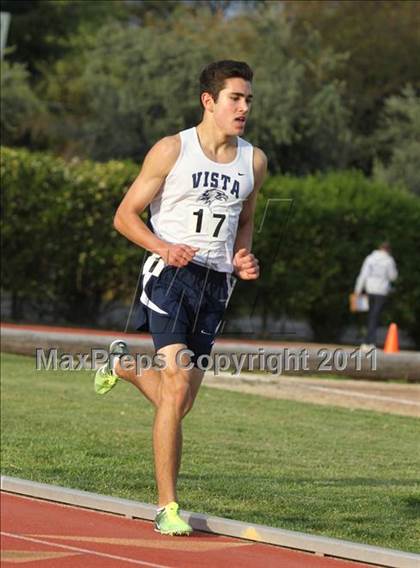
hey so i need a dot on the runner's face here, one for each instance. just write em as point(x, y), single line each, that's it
point(232, 106)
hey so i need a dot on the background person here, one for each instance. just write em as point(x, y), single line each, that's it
point(375, 277)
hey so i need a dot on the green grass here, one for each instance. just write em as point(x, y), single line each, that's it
point(323, 470)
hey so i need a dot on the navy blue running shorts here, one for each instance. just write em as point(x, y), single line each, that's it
point(182, 305)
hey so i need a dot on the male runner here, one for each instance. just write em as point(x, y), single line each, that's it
point(200, 186)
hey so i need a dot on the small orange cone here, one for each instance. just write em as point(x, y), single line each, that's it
point(391, 341)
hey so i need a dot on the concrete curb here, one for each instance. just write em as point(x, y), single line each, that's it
point(307, 359)
point(260, 533)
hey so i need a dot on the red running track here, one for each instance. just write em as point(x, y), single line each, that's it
point(50, 535)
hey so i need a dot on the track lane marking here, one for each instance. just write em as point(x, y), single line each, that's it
point(187, 545)
point(85, 551)
point(363, 395)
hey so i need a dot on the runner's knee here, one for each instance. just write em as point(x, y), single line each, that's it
point(176, 391)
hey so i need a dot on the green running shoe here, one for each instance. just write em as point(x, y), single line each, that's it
point(169, 522)
point(105, 378)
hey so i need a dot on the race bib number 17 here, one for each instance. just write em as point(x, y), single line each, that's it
point(212, 223)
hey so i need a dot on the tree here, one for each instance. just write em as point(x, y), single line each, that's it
point(139, 86)
point(122, 89)
point(398, 139)
point(380, 38)
point(21, 109)
point(40, 29)
point(300, 117)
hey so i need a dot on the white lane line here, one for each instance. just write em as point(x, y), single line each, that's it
point(85, 551)
point(364, 395)
point(303, 386)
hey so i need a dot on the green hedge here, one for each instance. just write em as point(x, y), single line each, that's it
point(326, 229)
point(61, 252)
point(60, 249)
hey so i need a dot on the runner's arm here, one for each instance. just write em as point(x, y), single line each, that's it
point(157, 165)
point(246, 219)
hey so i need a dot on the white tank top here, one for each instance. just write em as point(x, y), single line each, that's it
point(200, 202)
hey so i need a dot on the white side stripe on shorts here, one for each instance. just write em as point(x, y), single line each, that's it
point(158, 266)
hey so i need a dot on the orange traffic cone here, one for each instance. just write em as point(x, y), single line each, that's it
point(391, 341)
